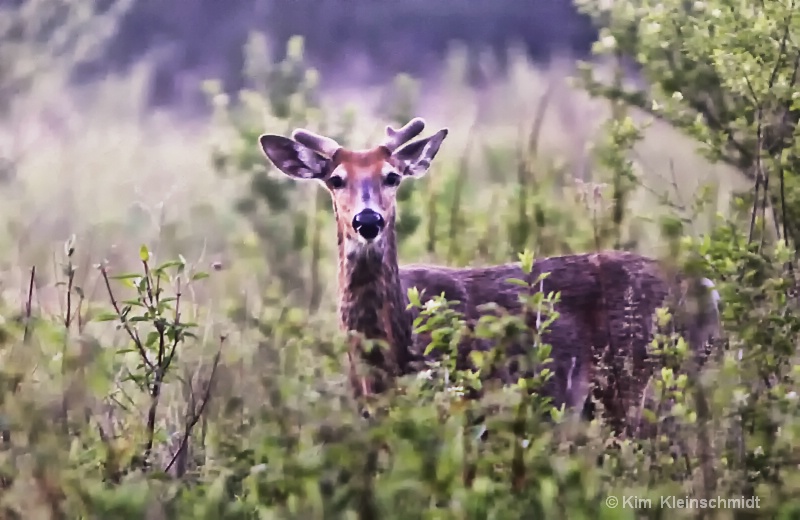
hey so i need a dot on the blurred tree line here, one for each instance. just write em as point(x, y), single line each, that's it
point(385, 38)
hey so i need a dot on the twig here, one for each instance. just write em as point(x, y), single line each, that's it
point(29, 306)
point(782, 50)
point(754, 210)
point(174, 348)
point(164, 359)
point(5, 434)
point(68, 315)
point(196, 415)
point(132, 333)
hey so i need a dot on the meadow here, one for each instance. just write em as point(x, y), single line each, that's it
point(240, 408)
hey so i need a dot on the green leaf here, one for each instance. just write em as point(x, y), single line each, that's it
point(126, 276)
point(517, 281)
point(413, 297)
point(106, 316)
point(171, 263)
point(527, 260)
point(144, 253)
point(477, 357)
point(152, 338)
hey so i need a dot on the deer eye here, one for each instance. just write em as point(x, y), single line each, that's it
point(392, 179)
point(336, 182)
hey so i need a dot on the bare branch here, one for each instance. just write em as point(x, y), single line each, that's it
point(196, 414)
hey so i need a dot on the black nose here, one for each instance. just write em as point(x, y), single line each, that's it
point(368, 223)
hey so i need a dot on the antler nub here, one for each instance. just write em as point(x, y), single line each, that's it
point(399, 137)
point(319, 143)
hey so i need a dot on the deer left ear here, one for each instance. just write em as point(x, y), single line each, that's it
point(292, 158)
point(414, 159)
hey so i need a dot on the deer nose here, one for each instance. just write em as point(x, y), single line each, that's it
point(368, 223)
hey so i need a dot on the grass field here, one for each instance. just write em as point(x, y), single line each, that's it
point(96, 164)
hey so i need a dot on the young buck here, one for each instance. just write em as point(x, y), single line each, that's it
point(608, 300)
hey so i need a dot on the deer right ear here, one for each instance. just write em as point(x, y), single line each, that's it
point(415, 158)
point(292, 158)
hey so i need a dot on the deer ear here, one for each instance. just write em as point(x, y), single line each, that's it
point(415, 158)
point(292, 158)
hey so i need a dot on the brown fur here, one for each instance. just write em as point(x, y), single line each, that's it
point(607, 303)
point(605, 325)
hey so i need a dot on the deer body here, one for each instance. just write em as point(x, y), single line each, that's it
point(605, 324)
point(607, 302)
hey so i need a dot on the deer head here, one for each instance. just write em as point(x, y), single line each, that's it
point(362, 183)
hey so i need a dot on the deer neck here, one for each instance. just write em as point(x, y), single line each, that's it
point(372, 302)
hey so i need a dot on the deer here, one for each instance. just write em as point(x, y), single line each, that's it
point(607, 300)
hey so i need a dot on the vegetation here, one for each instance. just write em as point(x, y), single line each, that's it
point(168, 338)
